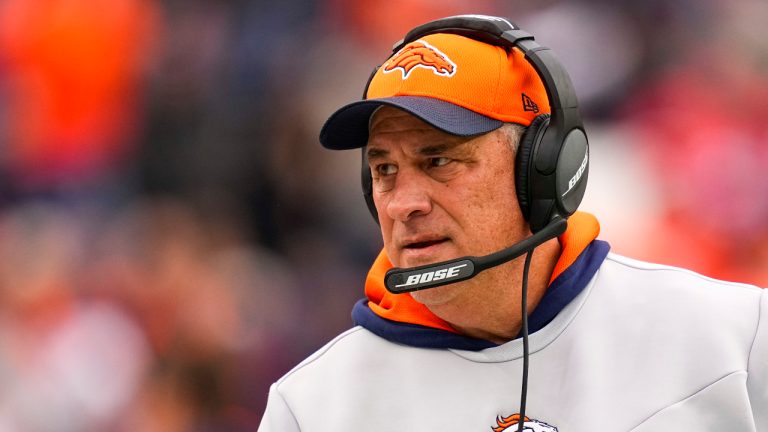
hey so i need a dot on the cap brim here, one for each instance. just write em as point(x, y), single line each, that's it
point(347, 128)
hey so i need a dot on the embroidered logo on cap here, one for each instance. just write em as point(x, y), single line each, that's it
point(419, 54)
point(529, 424)
point(529, 104)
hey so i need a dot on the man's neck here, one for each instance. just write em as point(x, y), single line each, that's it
point(491, 306)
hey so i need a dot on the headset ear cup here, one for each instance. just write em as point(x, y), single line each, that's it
point(367, 183)
point(523, 160)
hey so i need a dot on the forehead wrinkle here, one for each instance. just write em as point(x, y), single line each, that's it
point(394, 126)
point(463, 146)
point(436, 149)
point(401, 134)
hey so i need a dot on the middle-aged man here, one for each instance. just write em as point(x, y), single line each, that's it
point(472, 183)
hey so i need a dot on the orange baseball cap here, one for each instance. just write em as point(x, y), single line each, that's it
point(458, 85)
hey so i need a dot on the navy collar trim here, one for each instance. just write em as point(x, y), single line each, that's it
point(559, 293)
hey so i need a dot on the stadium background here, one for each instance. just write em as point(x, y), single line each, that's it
point(173, 238)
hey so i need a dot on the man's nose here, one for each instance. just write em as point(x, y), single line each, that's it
point(410, 197)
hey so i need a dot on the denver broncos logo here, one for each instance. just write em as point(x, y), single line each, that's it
point(420, 54)
point(529, 425)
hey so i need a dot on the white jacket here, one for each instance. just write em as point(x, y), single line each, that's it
point(641, 348)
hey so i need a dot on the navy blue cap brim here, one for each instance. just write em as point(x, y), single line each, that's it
point(347, 128)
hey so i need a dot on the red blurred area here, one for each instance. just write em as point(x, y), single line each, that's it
point(702, 124)
point(74, 70)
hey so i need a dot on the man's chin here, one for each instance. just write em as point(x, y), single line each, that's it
point(437, 296)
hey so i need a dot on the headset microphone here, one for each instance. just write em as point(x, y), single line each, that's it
point(402, 280)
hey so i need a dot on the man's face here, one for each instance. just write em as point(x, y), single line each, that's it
point(441, 196)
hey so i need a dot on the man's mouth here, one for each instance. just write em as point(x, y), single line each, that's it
point(424, 244)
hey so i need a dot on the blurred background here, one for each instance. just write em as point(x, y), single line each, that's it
point(173, 238)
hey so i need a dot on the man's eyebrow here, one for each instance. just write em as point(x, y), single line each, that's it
point(372, 153)
point(438, 149)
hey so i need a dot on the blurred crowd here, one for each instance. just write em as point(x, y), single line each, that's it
point(173, 238)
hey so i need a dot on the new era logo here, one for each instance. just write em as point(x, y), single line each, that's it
point(529, 104)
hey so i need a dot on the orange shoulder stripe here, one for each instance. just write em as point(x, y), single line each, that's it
point(582, 229)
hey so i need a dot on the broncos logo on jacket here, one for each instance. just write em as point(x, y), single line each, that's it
point(512, 422)
point(420, 54)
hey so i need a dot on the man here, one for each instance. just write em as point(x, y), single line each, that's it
point(464, 174)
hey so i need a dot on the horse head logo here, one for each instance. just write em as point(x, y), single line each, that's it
point(420, 54)
point(529, 425)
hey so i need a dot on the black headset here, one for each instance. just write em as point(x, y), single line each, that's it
point(552, 161)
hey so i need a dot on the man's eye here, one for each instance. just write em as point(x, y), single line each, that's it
point(386, 169)
point(439, 161)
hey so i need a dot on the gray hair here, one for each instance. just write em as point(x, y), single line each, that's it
point(512, 132)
